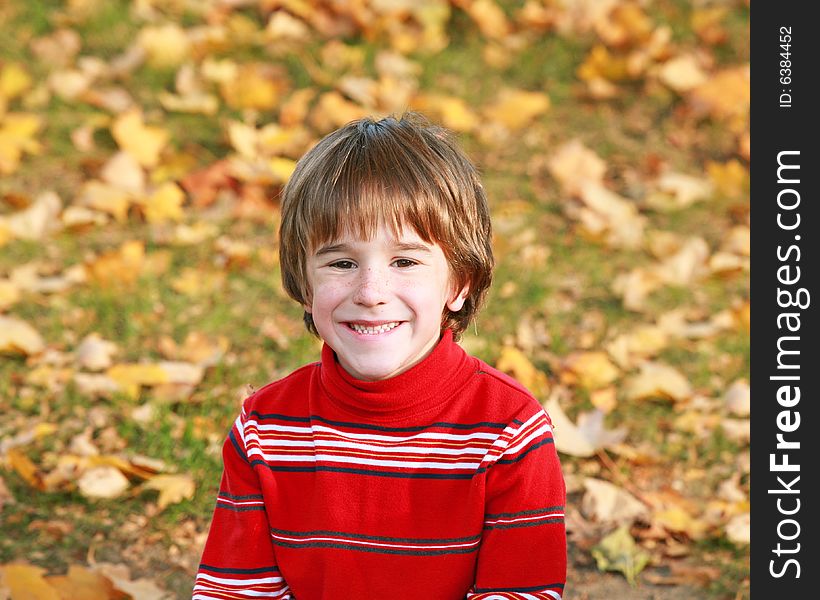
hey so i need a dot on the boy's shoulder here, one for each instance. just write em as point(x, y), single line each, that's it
point(503, 391)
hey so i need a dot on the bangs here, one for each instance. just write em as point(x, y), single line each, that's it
point(371, 179)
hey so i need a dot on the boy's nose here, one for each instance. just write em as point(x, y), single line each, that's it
point(371, 288)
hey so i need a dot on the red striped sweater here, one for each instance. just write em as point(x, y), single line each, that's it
point(441, 483)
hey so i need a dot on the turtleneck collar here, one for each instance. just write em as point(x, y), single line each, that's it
point(422, 387)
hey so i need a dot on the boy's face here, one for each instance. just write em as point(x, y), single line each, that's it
point(379, 303)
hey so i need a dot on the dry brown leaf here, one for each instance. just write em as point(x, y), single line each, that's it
point(607, 503)
point(584, 439)
point(94, 353)
point(657, 380)
point(138, 589)
point(737, 398)
point(682, 73)
point(626, 24)
point(40, 219)
point(572, 163)
point(283, 27)
point(57, 48)
point(81, 583)
point(70, 84)
point(6, 497)
point(609, 214)
point(104, 197)
point(172, 488)
point(687, 265)
point(122, 171)
point(18, 337)
point(738, 530)
point(27, 582)
point(635, 286)
point(102, 482)
point(679, 190)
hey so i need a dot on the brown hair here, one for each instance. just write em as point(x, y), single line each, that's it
point(400, 171)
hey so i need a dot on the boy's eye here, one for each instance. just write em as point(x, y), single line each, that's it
point(343, 264)
point(404, 262)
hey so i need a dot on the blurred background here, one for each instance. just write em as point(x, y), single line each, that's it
point(143, 146)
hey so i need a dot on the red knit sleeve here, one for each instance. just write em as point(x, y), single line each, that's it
point(523, 551)
point(238, 561)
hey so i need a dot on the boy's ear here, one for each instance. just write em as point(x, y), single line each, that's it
point(455, 304)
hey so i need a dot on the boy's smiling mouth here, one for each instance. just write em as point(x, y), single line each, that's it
point(372, 328)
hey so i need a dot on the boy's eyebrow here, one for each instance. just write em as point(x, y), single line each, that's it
point(403, 246)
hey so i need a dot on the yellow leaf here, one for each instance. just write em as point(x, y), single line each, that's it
point(196, 282)
point(282, 169)
point(255, 86)
point(17, 136)
point(491, 20)
point(515, 109)
point(678, 520)
point(625, 24)
point(14, 80)
point(123, 265)
point(194, 102)
point(164, 204)
point(9, 294)
point(657, 380)
point(81, 583)
point(513, 362)
point(143, 142)
point(130, 376)
point(601, 64)
point(26, 469)
point(726, 96)
point(454, 113)
point(172, 488)
point(731, 178)
point(592, 370)
point(105, 198)
point(334, 110)
point(26, 583)
point(18, 337)
point(165, 45)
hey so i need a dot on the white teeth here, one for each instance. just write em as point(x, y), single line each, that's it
point(373, 330)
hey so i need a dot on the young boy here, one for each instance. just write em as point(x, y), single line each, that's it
point(398, 466)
